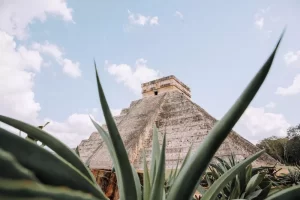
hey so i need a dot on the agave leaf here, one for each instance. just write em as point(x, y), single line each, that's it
point(177, 166)
point(209, 183)
point(11, 169)
point(199, 161)
point(47, 139)
point(235, 193)
point(223, 162)
point(146, 180)
point(291, 193)
point(201, 190)
point(274, 191)
point(242, 180)
point(155, 154)
point(107, 140)
point(30, 189)
point(265, 191)
point(23, 198)
point(157, 190)
point(219, 184)
point(248, 173)
point(214, 173)
point(188, 154)
point(254, 194)
point(218, 168)
point(232, 160)
point(254, 182)
point(170, 175)
point(117, 143)
point(137, 183)
point(48, 167)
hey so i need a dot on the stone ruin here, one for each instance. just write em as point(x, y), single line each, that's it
point(167, 103)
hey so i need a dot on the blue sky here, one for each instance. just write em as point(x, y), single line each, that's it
point(213, 47)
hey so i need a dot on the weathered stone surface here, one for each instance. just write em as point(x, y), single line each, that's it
point(184, 123)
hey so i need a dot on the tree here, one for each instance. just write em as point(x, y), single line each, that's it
point(275, 147)
point(293, 150)
point(293, 131)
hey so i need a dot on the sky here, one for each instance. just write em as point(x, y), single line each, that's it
point(47, 48)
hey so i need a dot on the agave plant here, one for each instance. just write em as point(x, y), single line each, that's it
point(290, 178)
point(29, 171)
point(248, 184)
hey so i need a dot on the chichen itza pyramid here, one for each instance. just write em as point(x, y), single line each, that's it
point(167, 103)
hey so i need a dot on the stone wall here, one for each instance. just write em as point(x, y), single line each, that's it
point(184, 122)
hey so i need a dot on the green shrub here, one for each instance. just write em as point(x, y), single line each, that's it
point(29, 171)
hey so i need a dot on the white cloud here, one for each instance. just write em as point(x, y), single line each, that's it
point(18, 66)
point(16, 15)
point(116, 112)
point(139, 19)
point(154, 21)
point(259, 22)
point(292, 57)
point(179, 14)
point(76, 128)
point(260, 18)
point(293, 89)
point(70, 67)
point(271, 105)
point(133, 78)
point(257, 123)
point(49, 49)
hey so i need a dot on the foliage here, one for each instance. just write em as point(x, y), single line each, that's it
point(248, 184)
point(275, 147)
point(293, 131)
point(30, 171)
point(286, 149)
point(291, 178)
point(293, 150)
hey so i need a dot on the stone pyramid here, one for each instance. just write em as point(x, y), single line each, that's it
point(167, 103)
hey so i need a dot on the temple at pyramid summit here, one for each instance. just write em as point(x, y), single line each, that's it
point(167, 103)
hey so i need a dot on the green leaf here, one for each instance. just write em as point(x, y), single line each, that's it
point(47, 167)
point(242, 180)
point(188, 154)
point(202, 156)
point(248, 173)
point(253, 194)
point(137, 183)
point(30, 189)
point(117, 143)
point(155, 154)
point(223, 162)
point(264, 193)
point(219, 184)
point(219, 169)
point(146, 180)
point(254, 182)
point(291, 193)
point(107, 140)
point(234, 193)
point(157, 190)
point(23, 198)
point(50, 141)
point(201, 190)
point(11, 169)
